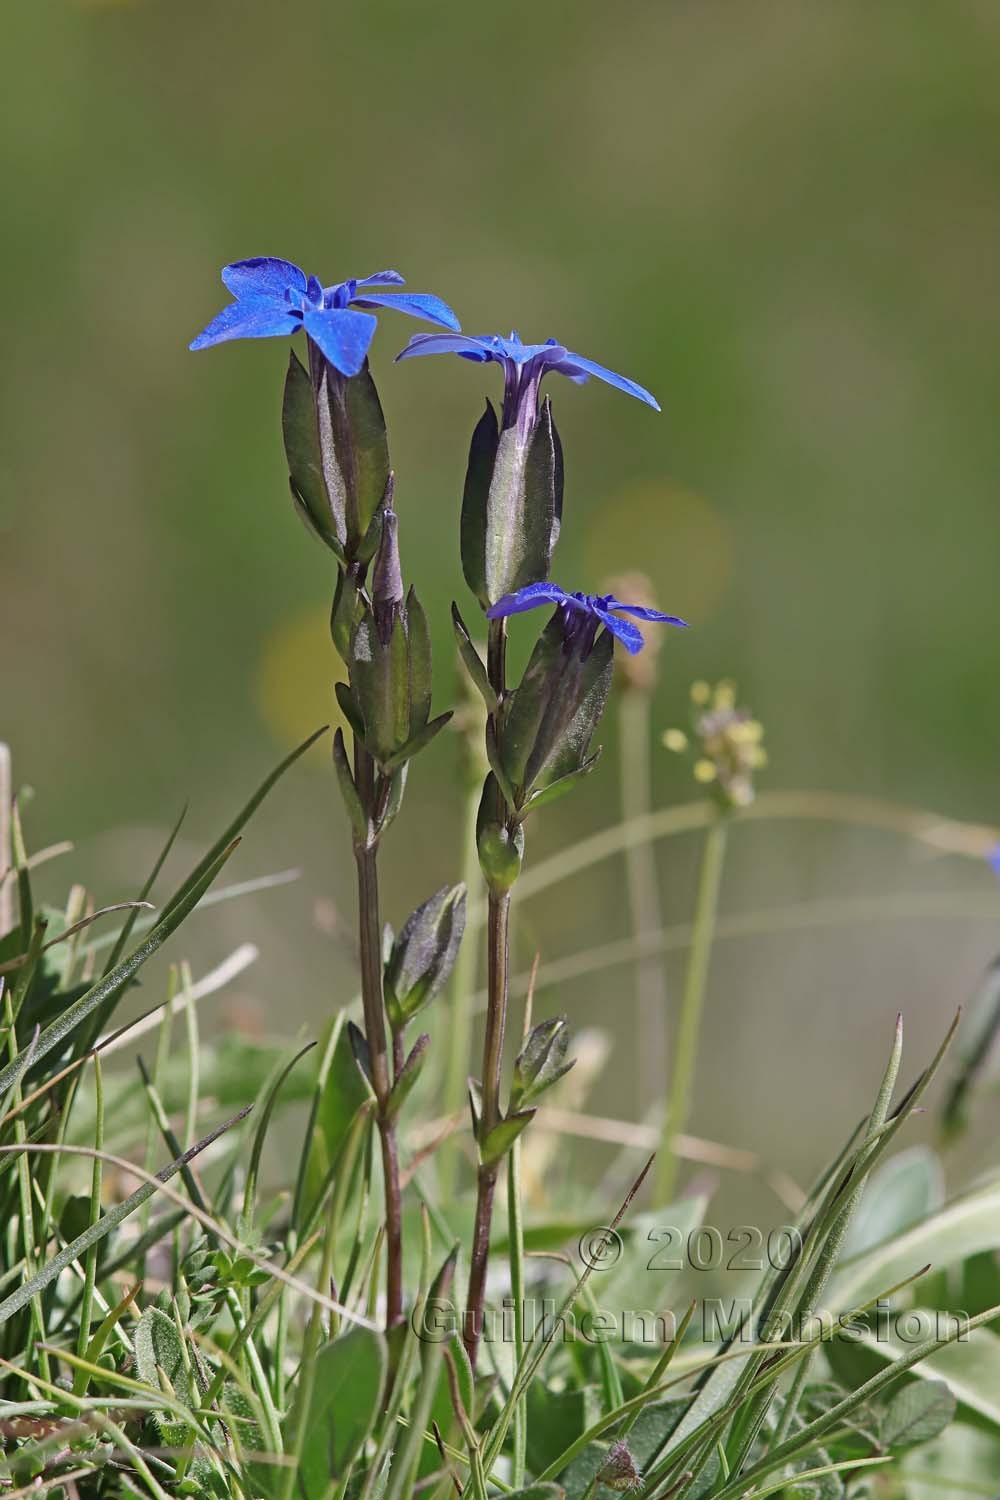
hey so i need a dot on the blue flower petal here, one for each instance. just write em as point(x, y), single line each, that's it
point(417, 304)
point(530, 597)
point(641, 613)
point(264, 276)
point(993, 858)
point(574, 365)
point(252, 318)
point(445, 343)
point(383, 278)
point(630, 635)
point(342, 334)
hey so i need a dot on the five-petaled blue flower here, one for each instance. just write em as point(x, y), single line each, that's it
point(523, 366)
point(583, 613)
point(275, 298)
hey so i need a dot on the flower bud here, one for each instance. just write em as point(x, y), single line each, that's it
point(501, 849)
point(424, 953)
point(390, 663)
point(541, 1063)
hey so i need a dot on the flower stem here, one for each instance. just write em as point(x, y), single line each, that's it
point(643, 893)
point(460, 1018)
point(370, 945)
point(686, 1044)
point(496, 1021)
point(515, 1239)
point(498, 980)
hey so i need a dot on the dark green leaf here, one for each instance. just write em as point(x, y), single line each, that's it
point(348, 788)
point(474, 664)
point(419, 641)
point(558, 788)
point(349, 708)
point(417, 743)
point(500, 1139)
point(408, 1075)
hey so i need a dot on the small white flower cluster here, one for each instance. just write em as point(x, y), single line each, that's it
point(726, 741)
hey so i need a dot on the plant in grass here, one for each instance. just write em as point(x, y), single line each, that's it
point(193, 1333)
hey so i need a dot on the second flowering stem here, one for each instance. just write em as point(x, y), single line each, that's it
point(373, 1003)
point(497, 940)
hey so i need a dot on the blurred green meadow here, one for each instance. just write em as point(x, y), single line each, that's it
point(784, 219)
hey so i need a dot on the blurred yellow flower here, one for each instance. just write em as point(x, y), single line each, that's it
point(294, 682)
point(687, 548)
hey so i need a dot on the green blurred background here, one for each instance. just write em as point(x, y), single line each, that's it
point(783, 218)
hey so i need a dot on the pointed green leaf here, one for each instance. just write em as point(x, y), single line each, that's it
point(348, 788)
point(408, 1075)
point(349, 708)
point(500, 1139)
point(543, 795)
point(417, 743)
point(419, 641)
point(347, 1387)
point(474, 664)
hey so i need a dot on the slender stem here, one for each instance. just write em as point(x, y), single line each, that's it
point(496, 1020)
point(498, 924)
point(370, 945)
point(643, 893)
point(498, 915)
point(686, 1044)
point(515, 1239)
point(463, 981)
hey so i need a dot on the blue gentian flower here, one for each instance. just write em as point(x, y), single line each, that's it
point(993, 858)
point(524, 365)
point(275, 298)
point(583, 614)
